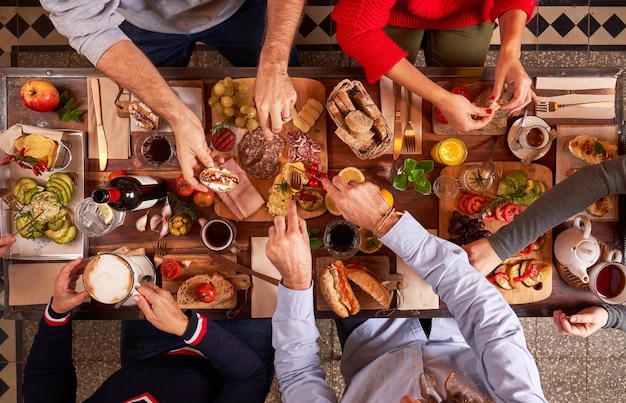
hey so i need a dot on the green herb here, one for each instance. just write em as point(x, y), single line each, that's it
point(67, 109)
point(283, 186)
point(182, 207)
point(314, 241)
point(598, 148)
point(414, 171)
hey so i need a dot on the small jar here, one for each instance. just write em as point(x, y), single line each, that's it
point(474, 181)
point(451, 152)
point(179, 224)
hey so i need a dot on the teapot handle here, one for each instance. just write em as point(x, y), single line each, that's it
point(586, 225)
point(614, 256)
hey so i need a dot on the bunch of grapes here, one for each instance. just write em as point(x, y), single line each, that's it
point(465, 229)
point(228, 100)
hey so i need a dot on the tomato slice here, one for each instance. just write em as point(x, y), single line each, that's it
point(499, 212)
point(527, 250)
point(488, 216)
point(440, 117)
point(511, 211)
point(475, 203)
point(170, 269)
point(461, 203)
point(461, 90)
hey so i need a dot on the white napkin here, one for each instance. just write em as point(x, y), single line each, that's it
point(388, 110)
point(116, 129)
point(191, 96)
point(264, 294)
point(578, 83)
point(416, 294)
point(33, 283)
point(8, 137)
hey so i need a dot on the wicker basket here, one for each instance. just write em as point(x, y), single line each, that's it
point(363, 150)
point(572, 279)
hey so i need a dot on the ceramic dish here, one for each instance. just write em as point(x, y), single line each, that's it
point(512, 136)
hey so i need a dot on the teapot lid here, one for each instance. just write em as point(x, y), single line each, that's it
point(587, 251)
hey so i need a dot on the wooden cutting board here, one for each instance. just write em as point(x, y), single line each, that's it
point(495, 127)
point(379, 265)
point(565, 161)
point(202, 264)
point(305, 88)
point(535, 172)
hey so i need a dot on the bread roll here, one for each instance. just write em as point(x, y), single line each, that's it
point(359, 124)
point(370, 285)
point(345, 105)
point(336, 290)
point(366, 104)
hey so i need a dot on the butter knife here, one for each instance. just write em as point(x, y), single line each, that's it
point(397, 128)
point(102, 140)
point(229, 264)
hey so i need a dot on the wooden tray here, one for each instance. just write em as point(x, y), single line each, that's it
point(565, 160)
point(202, 264)
point(379, 265)
point(495, 127)
point(534, 171)
point(306, 88)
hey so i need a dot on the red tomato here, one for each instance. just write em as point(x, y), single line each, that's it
point(322, 175)
point(313, 168)
point(203, 199)
point(511, 210)
point(462, 201)
point(314, 182)
point(440, 117)
point(527, 250)
point(116, 173)
point(205, 292)
point(474, 204)
point(499, 212)
point(170, 269)
point(182, 187)
point(461, 90)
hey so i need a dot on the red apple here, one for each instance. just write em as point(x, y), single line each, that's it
point(40, 95)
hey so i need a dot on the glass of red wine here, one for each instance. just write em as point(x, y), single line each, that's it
point(342, 239)
point(155, 149)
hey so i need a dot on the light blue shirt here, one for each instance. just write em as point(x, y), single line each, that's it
point(92, 26)
point(383, 358)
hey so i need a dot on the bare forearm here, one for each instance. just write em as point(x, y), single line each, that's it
point(511, 25)
point(283, 19)
point(407, 75)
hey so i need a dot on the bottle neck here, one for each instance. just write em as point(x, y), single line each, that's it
point(106, 195)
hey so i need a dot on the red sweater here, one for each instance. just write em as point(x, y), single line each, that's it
point(360, 24)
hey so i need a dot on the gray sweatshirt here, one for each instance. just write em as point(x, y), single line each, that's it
point(93, 26)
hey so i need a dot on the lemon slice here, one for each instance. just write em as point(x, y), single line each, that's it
point(330, 205)
point(106, 212)
point(351, 174)
point(369, 242)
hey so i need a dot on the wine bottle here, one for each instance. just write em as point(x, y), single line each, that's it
point(131, 192)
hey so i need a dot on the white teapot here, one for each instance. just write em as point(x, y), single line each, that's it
point(577, 249)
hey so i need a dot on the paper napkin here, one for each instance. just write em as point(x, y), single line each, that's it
point(264, 294)
point(116, 129)
point(191, 96)
point(33, 283)
point(416, 293)
point(578, 83)
point(388, 110)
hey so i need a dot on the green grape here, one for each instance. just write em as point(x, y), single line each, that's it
point(227, 101)
point(252, 124)
point(228, 112)
point(219, 108)
point(214, 100)
point(219, 88)
point(244, 109)
point(240, 121)
point(230, 91)
point(243, 88)
point(228, 81)
point(251, 113)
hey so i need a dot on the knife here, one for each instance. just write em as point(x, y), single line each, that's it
point(590, 91)
point(397, 127)
point(102, 140)
point(531, 155)
point(229, 264)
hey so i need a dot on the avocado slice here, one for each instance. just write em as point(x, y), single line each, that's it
point(69, 237)
point(21, 186)
point(64, 177)
point(60, 233)
point(59, 191)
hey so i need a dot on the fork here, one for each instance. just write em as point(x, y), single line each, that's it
point(409, 137)
point(295, 183)
point(161, 250)
point(7, 196)
point(553, 106)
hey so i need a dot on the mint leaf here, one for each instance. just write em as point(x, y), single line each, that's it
point(401, 181)
point(598, 148)
point(315, 243)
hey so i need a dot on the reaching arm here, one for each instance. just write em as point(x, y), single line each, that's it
point(274, 93)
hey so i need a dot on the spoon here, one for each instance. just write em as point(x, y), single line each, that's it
point(487, 168)
point(145, 279)
point(515, 145)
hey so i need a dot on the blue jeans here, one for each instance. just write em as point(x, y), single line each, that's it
point(141, 340)
point(239, 39)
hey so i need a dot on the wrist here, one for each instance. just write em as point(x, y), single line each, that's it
point(388, 225)
point(298, 284)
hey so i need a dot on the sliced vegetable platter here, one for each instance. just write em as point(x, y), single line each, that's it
point(536, 174)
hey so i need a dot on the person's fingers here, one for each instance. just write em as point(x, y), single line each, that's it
point(271, 232)
point(581, 318)
point(292, 217)
point(279, 225)
point(186, 168)
point(149, 291)
point(339, 183)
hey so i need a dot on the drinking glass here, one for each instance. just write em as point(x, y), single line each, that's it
point(342, 239)
point(91, 221)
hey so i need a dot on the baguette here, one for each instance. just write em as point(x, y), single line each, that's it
point(371, 286)
point(143, 116)
point(344, 103)
point(365, 103)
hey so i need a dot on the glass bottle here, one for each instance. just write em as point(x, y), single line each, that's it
point(132, 192)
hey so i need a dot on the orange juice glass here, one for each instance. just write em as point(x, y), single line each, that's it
point(451, 152)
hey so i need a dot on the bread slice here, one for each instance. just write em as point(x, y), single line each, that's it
point(344, 103)
point(187, 291)
point(370, 285)
point(591, 150)
point(365, 103)
point(360, 125)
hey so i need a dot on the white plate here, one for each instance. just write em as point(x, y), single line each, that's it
point(512, 136)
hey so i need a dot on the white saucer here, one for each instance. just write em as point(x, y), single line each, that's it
point(512, 136)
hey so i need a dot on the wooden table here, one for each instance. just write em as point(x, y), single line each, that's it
point(421, 207)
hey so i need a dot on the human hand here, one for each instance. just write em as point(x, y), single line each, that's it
point(274, 97)
point(65, 297)
point(482, 256)
point(509, 70)
point(5, 244)
point(582, 324)
point(160, 309)
point(288, 249)
point(359, 203)
point(463, 115)
point(192, 150)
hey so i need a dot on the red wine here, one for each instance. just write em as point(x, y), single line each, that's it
point(157, 150)
point(342, 238)
point(610, 281)
point(131, 193)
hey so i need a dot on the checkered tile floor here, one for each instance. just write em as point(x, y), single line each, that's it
point(557, 25)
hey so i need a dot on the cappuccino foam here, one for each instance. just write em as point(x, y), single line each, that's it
point(108, 278)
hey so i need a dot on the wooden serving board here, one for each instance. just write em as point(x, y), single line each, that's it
point(495, 127)
point(534, 171)
point(305, 88)
point(202, 264)
point(566, 161)
point(379, 265)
